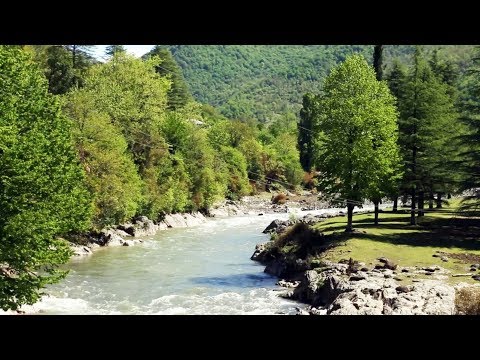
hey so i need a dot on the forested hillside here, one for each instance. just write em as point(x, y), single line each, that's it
point(262, 82)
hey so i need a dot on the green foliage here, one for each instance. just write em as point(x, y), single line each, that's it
point(133, 96)
point(112, 176)
point(235, 170)
point(178, 94)
point(111, 50)
point(42, 191)
point(263, 82)
point(426, 124)
point(357, 132)
point(469, 163)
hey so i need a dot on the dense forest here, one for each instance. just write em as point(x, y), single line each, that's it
point(86, 144)
point(265, 82)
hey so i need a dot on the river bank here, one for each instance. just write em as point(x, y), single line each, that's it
point(202, 269)
point(390, 270)
point(131, 233)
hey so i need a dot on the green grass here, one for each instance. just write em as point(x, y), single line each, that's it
point(441, 230)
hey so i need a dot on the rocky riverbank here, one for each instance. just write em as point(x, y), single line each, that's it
point(349, 287)
point(128, 234)
point(264, 204)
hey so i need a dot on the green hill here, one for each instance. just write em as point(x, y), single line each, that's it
point(265, 81)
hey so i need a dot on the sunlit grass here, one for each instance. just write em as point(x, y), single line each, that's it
point(441, 230)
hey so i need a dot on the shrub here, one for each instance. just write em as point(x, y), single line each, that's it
point(299, 239)
point(279, 199)
point(309, 180)
point(467, 301)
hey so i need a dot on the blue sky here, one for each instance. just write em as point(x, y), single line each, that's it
point(137, 50)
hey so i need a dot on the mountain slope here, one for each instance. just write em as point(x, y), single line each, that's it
point(265, 81)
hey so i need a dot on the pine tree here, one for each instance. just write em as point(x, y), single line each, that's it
point(178, 95)
point(42, 191)
point(305, 141)
point(111, 50)
point(426, 112)
point(470, 156)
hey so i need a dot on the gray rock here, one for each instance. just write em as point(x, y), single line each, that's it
point(273, 226)
point(316, 311)
point(260, 252)
point(476, 277)
point(444, 259)
point(128, 243)
point(80, 250)
point(357, 277)
point(403, 289)
point(383, 260)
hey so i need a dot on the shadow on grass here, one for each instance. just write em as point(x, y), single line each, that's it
point(463, 233)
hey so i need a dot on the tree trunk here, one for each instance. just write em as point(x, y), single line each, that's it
point(74, 54)
point(439, 200)
point(430, 200)
point(350, 216)
point(378, 61)
point(395, 204)
point(421, 203)
point(376, 212)
point(412, 210)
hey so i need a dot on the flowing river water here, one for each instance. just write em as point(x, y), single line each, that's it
point(205, 269)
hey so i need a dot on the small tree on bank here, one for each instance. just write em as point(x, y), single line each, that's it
point(357, 139)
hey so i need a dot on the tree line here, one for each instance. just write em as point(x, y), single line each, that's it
point(86, 144)
point(410, 132)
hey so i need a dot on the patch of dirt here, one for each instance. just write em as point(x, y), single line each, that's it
point(467, 258)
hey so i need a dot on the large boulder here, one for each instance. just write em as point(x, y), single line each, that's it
point(143, 226)
point(273, 226)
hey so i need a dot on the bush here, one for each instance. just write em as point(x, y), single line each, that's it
point(298, 239)
point(467, 301)
point(279, 199)
point(309, 180)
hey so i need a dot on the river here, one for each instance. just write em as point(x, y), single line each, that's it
point(204, 269)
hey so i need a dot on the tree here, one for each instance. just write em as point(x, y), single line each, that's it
point(305, 141)
point(42, 190)
point(112, 176)
point(378, 61)
point(426, 118)
point(357, 133)
point(470, 155)
point(178, 95)
point(111, 50)
point(79, 53)
point(134, 97)
point(396, 82)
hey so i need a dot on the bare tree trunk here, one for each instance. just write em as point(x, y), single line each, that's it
point(430, 200)
point(395, 204)
point(412, 210)
point(349, 217)
point(439, 200)
point(421, 203)
point(376, 212)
